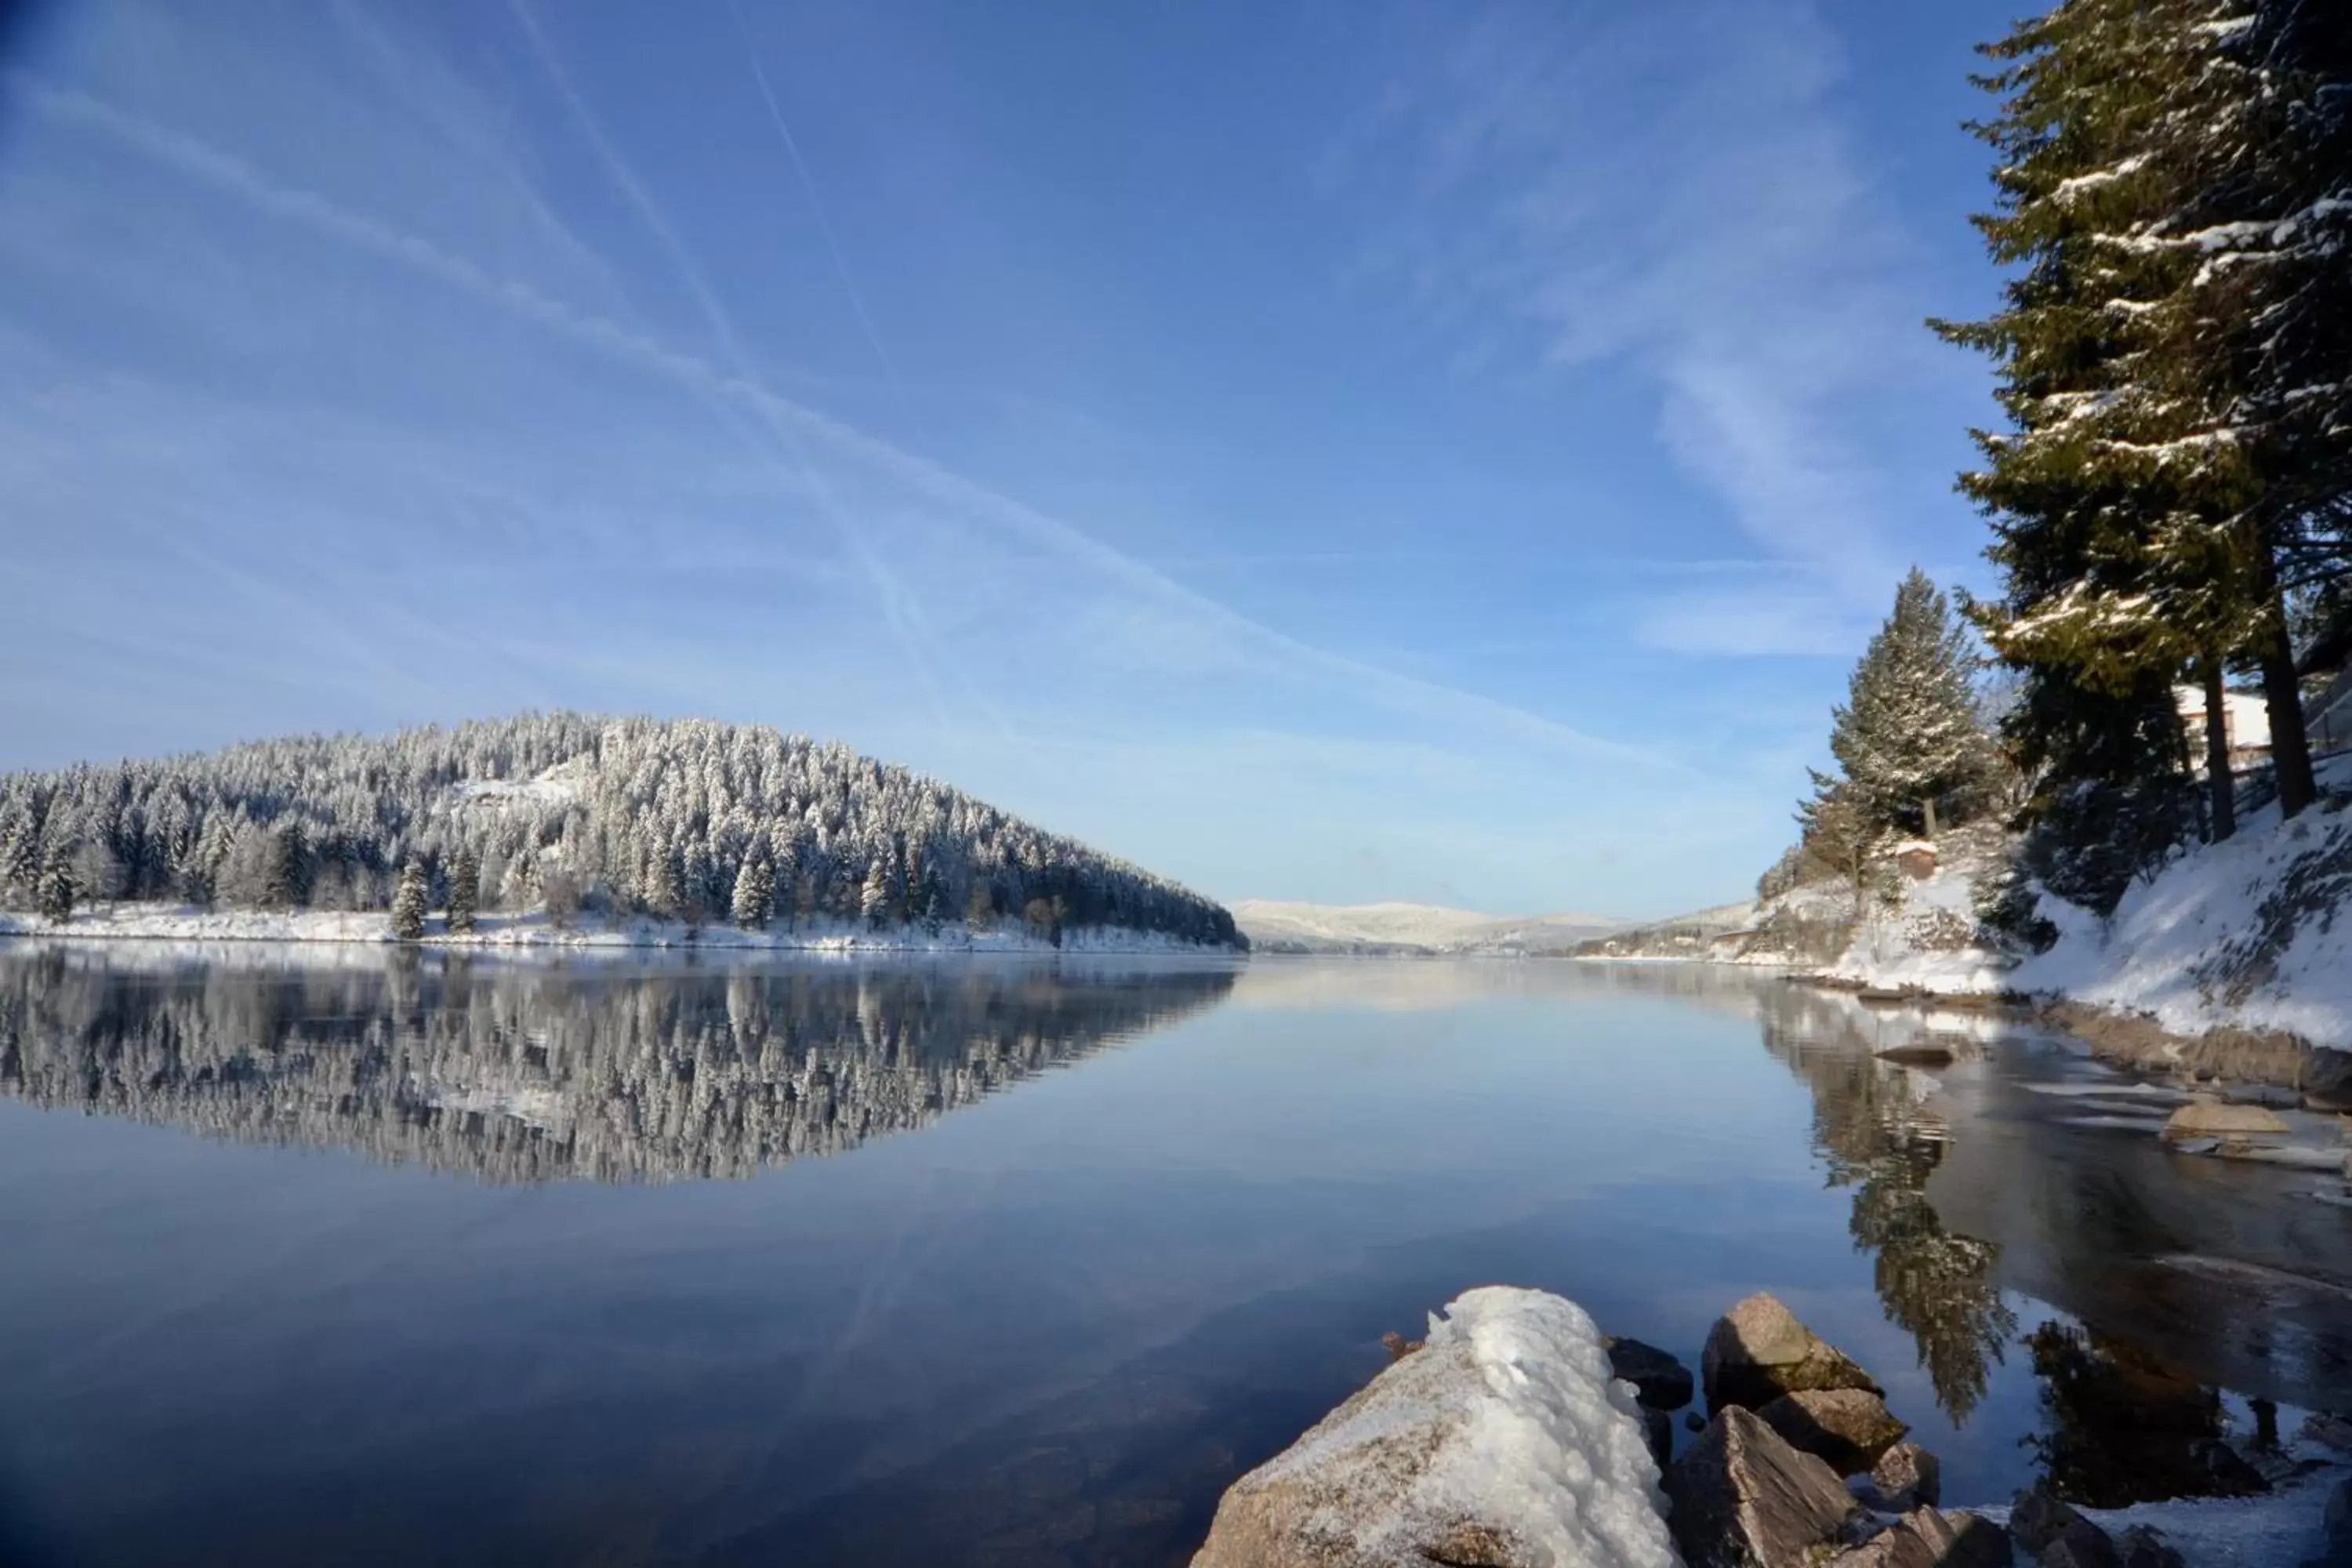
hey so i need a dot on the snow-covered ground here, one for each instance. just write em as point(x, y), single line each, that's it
point(2252, 932)
point(1925, 940)
point(164, 923)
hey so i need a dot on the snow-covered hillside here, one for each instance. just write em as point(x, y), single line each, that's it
point(1408, 929)
point(2249, 933)
point(2254, 932)
point(684, 821)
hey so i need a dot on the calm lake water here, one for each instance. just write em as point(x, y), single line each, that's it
point(324, 1255)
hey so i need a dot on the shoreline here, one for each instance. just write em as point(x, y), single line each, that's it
point(514, 935)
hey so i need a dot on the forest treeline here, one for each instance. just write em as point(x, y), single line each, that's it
point(686, 820)
point(536, 1073)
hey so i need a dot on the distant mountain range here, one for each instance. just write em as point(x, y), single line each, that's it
point(1411, 930)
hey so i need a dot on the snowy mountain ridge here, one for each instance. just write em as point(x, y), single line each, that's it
point(1408, 929)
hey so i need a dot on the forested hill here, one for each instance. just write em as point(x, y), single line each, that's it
point(687, 820)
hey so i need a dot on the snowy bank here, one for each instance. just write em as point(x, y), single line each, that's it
point(1506, 1438)
point(2242, 934)
point(166, 923)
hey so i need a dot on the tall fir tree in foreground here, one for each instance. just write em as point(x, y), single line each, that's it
point(408, 901)
point(1908, 737)
point(465, 891)
point(2175, 194)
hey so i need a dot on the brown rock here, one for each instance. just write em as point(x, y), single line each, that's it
point(1758, 1351)
point(1742, 1498)
point(2042, 1525)
point(1907, 1477)
point(2233, 1124)
point(1926, 1538)
point(1845, 1426)
point(1398, 1346)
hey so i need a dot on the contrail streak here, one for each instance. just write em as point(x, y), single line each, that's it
point(816, 208)
point(233, 177)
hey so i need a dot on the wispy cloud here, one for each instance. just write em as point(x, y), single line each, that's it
point(741, 388)
point(1673, 191)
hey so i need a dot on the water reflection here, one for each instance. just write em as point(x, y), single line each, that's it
point(1878, 1132)
point(608, 1070)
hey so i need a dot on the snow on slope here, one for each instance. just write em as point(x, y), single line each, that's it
point(2253, 933)
point(1273, 926)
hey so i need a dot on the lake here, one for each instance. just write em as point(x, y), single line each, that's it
point(355, 1256)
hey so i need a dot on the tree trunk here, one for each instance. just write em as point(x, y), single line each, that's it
point(2282, 695)
point(2218, 779)
point(2290, 748)
point(1927, 815)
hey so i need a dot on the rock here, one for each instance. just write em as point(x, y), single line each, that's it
point(1926, 1538)
point(2339, 1524)
point(1659, 1380)
point(2233, 1125)
point(1658, 1427)
point(2226, 1473)
point(1504, 1442)
point(1906, 1477)
point(2043, 1525)
point(1847, 1427)
point(1743, 1498)
point(2328, 1080)
point(1694, 1421)
point(2330, 1431)
point(2144, 1546)
point(1758, 1351)
point(1398, 1346)
point(2088, 1549)
point(1922, 1054)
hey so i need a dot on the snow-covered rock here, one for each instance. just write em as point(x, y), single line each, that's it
point(1505, 1441)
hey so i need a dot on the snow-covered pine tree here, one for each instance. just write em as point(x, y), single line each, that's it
point(408, 901)
point(755, 895)
point(465, 890)
point(56, 892)
point(285, 865)
point(2173, 191)
point(874, 898)
point(1907, 736)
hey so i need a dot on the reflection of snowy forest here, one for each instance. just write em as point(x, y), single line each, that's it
point(534, 1073)
point(687, 820)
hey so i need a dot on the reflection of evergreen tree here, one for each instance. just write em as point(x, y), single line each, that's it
point(1876, 1137)
point(543, 1073)
point(2122, 1428)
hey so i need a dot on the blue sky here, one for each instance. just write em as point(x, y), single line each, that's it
point(1330, 450)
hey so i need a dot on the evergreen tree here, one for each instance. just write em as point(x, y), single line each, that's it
point(1907, 736)
point(465, 890)
point(56, 892)
point(284, 866)
point(2171, 191)
point(408, 901)
point(874, 900)
point(755, 895)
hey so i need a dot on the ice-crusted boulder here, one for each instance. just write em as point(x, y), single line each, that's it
point(1504, 1442)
